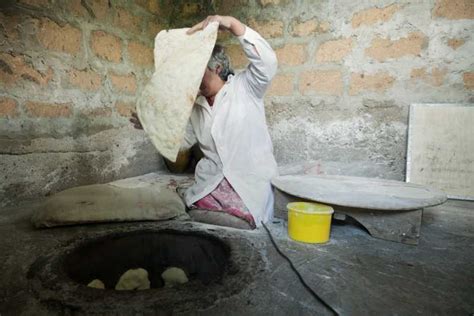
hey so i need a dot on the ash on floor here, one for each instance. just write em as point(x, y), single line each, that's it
point(355, 273)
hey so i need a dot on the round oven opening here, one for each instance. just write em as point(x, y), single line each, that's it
point(203, 258)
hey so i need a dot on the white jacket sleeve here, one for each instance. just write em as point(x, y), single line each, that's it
point(189, 137)
point(263, 62)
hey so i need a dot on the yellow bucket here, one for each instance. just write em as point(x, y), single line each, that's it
point(309, 222)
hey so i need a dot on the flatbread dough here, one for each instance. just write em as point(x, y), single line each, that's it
point(97, 284)
point(173, 276)
point(134, 279)
point(167, 100)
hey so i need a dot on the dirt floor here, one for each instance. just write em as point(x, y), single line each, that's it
point(354, 273)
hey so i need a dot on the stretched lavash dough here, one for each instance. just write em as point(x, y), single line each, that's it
point(97, 284)
point(166, 102)
point(174, 276)
point(134, 279)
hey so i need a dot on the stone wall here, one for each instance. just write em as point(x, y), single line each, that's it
point(348, 70)
point(69, 75)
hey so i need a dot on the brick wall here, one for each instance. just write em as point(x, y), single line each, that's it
point(69, 75)
point(349, 70)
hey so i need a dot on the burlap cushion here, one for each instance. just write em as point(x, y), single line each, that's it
point(100, 203)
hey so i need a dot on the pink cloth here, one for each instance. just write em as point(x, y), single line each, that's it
point(225, 199)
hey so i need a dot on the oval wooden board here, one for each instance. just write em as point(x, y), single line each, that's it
point(367, 193)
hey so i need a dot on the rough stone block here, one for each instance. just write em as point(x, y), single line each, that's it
point(153, 6)
point(76, 8)
point(125, 108)
point(9, 27)
point(190, 9)
point(226, 7)
point(67, 38)
point(149, 5)
point(454, 9)
point(98, 112)
point(324, 82)
point(140, 54)
point(268, 28)
point(310, 27)
point(35, 3)
point(153, 28)
point(291, 54)
point(377, 82)
point(265, 3)
point(48, 110)
point(106, 46)
point(8, 107)
point(382, 48)
point(468, 78)
point(282, 85)
point(13, 68)
point(334, 50)
point(99, 8)
point(85, 79)
point(237, 57)
point(124, 83)
point(374, 15)
point(435, 78)
point(127, 21)
point(455, 43)
point(417, 73)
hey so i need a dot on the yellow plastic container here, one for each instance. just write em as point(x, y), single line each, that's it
point(309, 222)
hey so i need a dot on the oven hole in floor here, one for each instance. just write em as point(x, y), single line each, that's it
point(202, 257)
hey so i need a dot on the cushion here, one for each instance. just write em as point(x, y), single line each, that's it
point(101, 203)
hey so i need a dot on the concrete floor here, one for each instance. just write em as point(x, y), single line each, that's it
point(355, 273)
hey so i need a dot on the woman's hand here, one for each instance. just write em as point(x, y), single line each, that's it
point(225, 23)
point(136, 121)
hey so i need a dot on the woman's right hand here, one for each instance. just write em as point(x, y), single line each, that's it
point(136, 121)
point(225, 23)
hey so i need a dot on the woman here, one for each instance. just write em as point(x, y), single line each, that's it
point(228, 123)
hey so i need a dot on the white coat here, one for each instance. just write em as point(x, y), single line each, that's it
point(233, 134)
